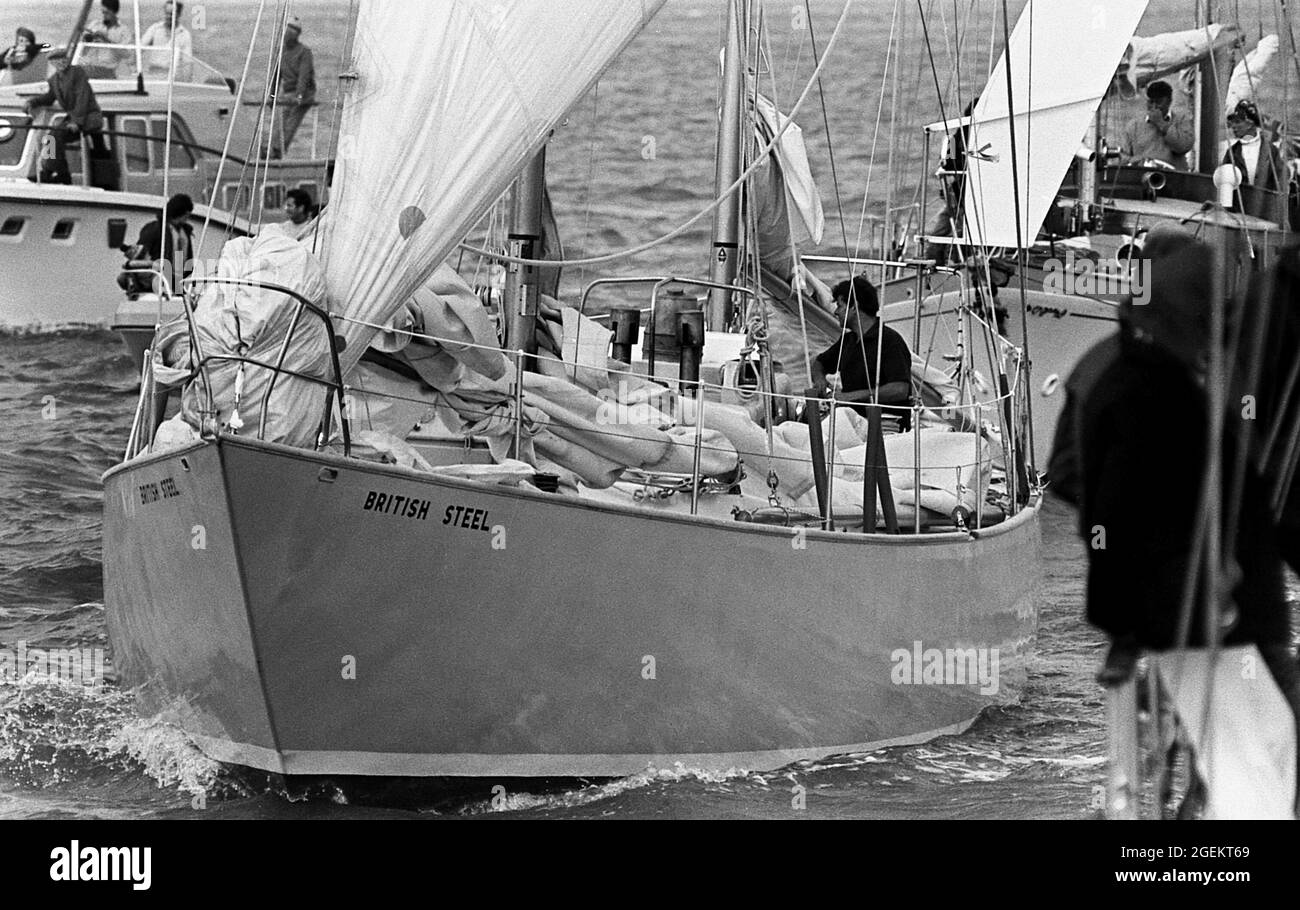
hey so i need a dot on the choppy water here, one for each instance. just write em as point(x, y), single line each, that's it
point(66, 402)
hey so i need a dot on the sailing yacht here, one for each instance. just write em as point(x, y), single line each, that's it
point(164, 135)
point(570, 568)
point(1084, 209)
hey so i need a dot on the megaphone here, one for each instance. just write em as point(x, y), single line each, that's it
point(1154, 181)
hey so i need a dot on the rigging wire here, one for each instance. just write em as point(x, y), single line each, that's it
point(277, 135)
point(723, 197)
point(336, 118)
point(230, 130)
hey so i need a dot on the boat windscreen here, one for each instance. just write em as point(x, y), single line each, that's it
point(120, 61)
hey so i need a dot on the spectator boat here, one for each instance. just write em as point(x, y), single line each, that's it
point(61, 244)
point(1085, 210)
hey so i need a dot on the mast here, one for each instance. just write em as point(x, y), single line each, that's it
point(139, 51)
point(726, 220)
point(1207, 101)
point(79, 28)
point(521, 291)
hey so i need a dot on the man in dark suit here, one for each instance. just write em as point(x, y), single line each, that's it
point(1257, 160)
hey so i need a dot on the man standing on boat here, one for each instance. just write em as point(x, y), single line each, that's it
point(297, 81)
point(110, 29)
point(169, 34)
point(70, 87)
point(865, 343)
point(1163, 134)
point(1256, 159)
point(112, 62)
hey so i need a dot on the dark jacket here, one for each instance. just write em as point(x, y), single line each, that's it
point(297, 75)
point(1064, 470)
point(147, 246)
point(1143, 461)
point(1275, 299)
point(1270, 175)
point(71, 89)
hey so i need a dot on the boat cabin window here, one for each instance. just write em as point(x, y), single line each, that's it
point(236, 197)
point(13, 138)
point(182, 156)
point(273, 196)
point(63, 229)
point(12, 228)
point(135, 144)
point(145, 145)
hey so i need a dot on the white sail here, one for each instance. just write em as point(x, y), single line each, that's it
point(450, 100)
point(1068, 53)
point(1250, 73)
point(1154, 57)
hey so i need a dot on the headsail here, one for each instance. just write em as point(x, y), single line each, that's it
point(449, 101)
point(1068, 52)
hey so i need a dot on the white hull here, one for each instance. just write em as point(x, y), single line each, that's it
point(47, 282)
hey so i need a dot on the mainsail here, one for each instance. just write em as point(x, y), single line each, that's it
point(1068, 53)
point(447, 103)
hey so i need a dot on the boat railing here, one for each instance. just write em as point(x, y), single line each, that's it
point(974, 416)
point(336, 388)
point(968, 416)
point(176, 141)
point(890, 269)
point(658, 283)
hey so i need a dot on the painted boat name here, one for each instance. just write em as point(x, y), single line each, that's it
point(465, 517)
point(392, 504)
point(152, 492)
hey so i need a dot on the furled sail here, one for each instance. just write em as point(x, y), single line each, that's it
point(447, 102)
point(1251, 72)
point(1148, 59)
point(1063, 56)
point(786, 201)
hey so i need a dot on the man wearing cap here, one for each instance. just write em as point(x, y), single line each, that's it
point(1163, 134)
point(70, 87)
point(1257, 160)
point(297, 81)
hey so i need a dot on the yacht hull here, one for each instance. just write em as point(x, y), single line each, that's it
point(1062, 327)
point(267, 601)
